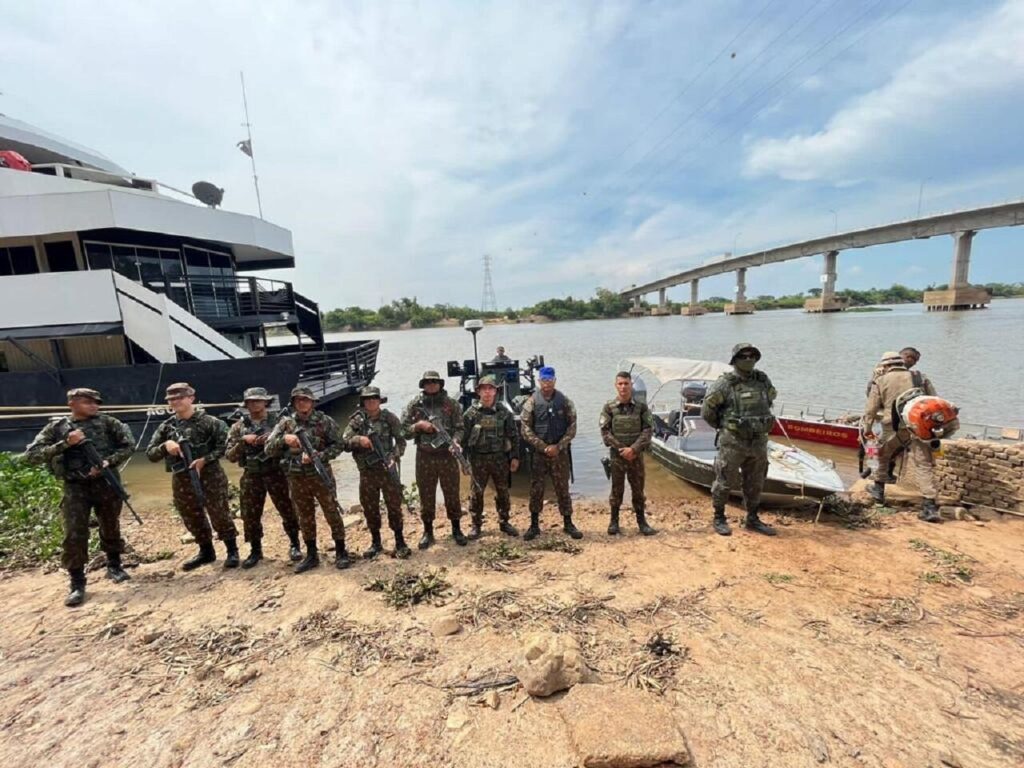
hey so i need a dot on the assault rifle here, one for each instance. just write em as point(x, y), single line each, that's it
point(94, 460)
point(321, 469)
point(382, 454)
point(185, 445)
point(456, 451)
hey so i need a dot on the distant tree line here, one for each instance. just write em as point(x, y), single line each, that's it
point(409, 313)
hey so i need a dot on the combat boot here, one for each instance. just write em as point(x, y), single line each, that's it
point(375, 546)
point(457, 535)
point(570, 529)
point(754, 523)
point(641, 523)
point(255, 554)
point(76, 594)
point(206, 554)
point(613, 523)
point(877, 492)
point(312, 559)
point(721, 524)
point(929, 512)
point(231, 545)
point(114, 570)
point(341, 559)
point(534, 530)
point(508, 529)
point(402, 550)
point(474, 529)
point(427, 540)
point(294, 550)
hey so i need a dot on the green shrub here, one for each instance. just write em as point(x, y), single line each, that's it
point(30, 520)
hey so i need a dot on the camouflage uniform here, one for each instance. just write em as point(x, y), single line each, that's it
point(626, 425)
point(492, 441)
point(434, 461)
point(262, 475)
point(207, 436)
point(739, 406)
point(374, 478)
point(549, 422)
point(82, 494)
point(304, 484)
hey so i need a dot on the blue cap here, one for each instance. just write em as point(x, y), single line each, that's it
point(547, 372)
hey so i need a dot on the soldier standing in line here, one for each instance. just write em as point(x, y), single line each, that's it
point(886, 389)
point(435, 462)
point(368, 423)
point(492, 444)
point(739, 406)
point(626, 428)
point(548, 421)
point(206, 436)
point(60, 446)
point(304, 484)
point(261, 475)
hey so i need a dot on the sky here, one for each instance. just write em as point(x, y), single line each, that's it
point(579, 144)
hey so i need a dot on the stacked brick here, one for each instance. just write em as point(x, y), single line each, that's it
point(981, 472)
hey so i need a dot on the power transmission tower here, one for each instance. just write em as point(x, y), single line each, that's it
point(489, 303)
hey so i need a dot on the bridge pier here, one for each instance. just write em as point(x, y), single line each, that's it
point(694, 307)
point(741, 306)
point(960, 294)
point(662, 308)
point(828, 301)
point(635, 309)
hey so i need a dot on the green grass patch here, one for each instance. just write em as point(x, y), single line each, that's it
point(501, 555)
point(31, 530)
point(952, 566)
point(407, 588)
point(555, 544)
point(778, 578)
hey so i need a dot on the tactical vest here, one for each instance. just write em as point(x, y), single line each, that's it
point(748, 408)
point(626, 426)
point(316, 428)
point(550, 417)
point(72, 464)
point(488, 434)
point(434, 407)
point(254, 458)
point(198, 432)
point(367, 457)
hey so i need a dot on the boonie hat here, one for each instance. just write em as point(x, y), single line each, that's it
point(303, 392)
point(256, 393)
point(487, 381)
point(431, 376)
point(369, 393)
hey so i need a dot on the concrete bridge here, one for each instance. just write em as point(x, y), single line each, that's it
point(961, 225)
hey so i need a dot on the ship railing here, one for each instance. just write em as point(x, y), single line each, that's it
point(831, 414)
point(227, 297)
point(334, 366)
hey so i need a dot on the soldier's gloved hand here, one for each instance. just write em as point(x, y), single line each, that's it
point(252, 439)
point(292, 441)
point(365, 442)
point(198, 464)
point(75, 437)
point(172, 448)
point(513, 465)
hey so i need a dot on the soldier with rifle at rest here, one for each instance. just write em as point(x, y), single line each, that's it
point(62, 445)
point(191, 444)
point(492, 443)
point(374, 435)
point(261, 475)
point(307, 440)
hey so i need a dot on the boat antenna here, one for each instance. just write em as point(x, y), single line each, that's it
point(246, 145)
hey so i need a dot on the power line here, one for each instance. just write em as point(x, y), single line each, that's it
point(489, 303)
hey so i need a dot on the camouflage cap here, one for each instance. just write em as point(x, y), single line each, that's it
point(430, 376)
point(743, 346)
point(92, 394)
point(487, 381)
point(371, 393)
point(180, 389)
point(303, 392)
point(257, 393)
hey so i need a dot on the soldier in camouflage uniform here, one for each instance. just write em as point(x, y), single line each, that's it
point(206, 435)
point(626, 428)
point(368, 423)
point(739, 406)
point(261, 475)
point(60, 446)
point(549, 425)
point(492, 445)
point(304, 484)
point(434, 460)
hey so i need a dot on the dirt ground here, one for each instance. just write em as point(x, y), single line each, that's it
point(896, 643)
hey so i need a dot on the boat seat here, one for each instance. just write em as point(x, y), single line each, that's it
point(699, 438)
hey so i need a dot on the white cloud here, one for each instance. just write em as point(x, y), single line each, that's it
point(941, 101)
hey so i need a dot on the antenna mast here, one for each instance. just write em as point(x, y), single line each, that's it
point(252, 157)
point(489, 303)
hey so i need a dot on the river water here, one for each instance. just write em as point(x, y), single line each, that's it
point(975, 359)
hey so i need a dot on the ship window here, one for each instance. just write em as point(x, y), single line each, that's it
point(23, 260)
point(98, 255)
point(60, 256)
point(124, 261)
point(150, 265)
